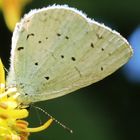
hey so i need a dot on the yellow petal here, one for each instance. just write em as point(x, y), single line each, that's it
point(12, 10)
point(2, 78)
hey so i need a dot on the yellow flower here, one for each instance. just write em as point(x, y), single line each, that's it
point(12, 10)
point(12, 125)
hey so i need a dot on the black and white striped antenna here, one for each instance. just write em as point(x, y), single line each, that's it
point(58, 122)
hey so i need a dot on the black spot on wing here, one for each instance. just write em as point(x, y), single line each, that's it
point(32, 34)
point(39, 41)
point(58, 34)
point(67, 37)
point(62, 56)
point(47, 77)
point(36, 63)
point(102, 49)
point(92, 45)
point(20, 48)
point(102, 68)
point(73, 58)
point(21, 85)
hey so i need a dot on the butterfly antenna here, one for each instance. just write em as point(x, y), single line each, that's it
point(58, 122)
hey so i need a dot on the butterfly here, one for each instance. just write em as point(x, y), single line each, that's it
point(57, 50)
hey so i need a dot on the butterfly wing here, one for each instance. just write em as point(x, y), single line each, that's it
point(57, 50)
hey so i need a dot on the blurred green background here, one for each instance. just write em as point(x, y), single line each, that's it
point(107, 110)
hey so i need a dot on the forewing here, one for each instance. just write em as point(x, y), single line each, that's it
point(58, 50)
